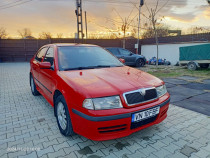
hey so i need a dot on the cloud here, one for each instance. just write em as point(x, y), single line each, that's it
point(59, 16)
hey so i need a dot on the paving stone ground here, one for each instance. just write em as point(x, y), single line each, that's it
point(28, 129)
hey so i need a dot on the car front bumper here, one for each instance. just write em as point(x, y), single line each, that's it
point(116, 126)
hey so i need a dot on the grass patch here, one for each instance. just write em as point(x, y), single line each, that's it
point(174, 71)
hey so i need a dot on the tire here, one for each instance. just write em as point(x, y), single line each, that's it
point(205, 66)
point(63, 117)
point(192, 66)
point(140, 63)
point(33, 86)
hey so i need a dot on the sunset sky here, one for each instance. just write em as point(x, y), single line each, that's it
point(58, 16)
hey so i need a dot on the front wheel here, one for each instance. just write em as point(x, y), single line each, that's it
point(140, 63)
point(63, 116)
point(33, 86)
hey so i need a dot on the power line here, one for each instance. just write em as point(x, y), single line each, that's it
point(15, 4)
point(5, 5)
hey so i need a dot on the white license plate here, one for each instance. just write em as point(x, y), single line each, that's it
point(145, 114)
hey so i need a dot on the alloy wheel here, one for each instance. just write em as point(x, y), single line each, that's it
point(61, 115)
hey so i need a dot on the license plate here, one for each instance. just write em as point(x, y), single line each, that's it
point(145, 114)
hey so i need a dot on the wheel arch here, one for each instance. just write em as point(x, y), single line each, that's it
point(56, 94)
point(196, 63)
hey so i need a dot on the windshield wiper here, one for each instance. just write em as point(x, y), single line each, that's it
point(91, 67)
point(101, 66)
point(79, 68)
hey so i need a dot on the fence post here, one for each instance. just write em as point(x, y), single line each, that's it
point(24, 47)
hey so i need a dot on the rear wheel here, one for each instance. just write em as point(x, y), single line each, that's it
point(192, 66)
point(33, 86)
point(63, 116)
point(140, 63)
point(205, 66)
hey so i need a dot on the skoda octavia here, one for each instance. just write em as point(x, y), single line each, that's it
point(94, 94)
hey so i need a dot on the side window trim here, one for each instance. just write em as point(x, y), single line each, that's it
point(40, 51)
point(50, 47)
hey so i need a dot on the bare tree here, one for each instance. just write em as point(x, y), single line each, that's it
point(153, 18)
point(24, 32)
point(162, 31)
point(45, 35)
point(153, 12)
point(126, 23)
point(59, 35)
point(3, 33)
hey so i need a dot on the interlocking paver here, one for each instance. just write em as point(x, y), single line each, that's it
point(31, 155)
point(45, 151)
point(60, 146)
point(96, 147)
point(161, 153)
point(202, 153)
point(49, 143)
point(57, 154)
point(71, 149)
point(29, 121)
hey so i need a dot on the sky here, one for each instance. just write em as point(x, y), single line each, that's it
point(58, 16)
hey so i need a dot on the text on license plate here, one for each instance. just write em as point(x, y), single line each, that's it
point(145, 114)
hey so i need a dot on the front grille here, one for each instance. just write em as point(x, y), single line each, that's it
point(135, 97)
point(143, 122)
point(111, 129)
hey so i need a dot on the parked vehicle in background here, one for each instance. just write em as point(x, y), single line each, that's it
point(130, 58)
point(195, 56)
point(94, 94)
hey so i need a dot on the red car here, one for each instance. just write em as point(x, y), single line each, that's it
point(94, 94)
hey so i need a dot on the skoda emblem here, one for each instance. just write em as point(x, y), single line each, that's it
point(142, 92)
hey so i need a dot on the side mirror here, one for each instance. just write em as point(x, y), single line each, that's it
point(45, 65)
point(131, 54)
point(122, 60)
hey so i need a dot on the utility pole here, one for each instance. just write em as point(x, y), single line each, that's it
point(79, 20)
point(86, 25)
point(140, 5)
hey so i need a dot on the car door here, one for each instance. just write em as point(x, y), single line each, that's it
point(47, 76)
point(128, 56)
point(35, 64)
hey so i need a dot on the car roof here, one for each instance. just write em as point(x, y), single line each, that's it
point(112, 47)
point(73, 44)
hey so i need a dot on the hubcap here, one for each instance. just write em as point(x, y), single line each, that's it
point(140, 62)
point(191, 67)
point(61, 115)
point(32, 84)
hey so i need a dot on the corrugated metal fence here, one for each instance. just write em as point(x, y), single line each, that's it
point(24, 49)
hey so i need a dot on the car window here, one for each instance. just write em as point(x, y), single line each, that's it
point(41, 53)
point(114, 51)
point(125, 52)
point(50, 56)
point(70, 57)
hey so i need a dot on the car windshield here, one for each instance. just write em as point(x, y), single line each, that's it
point(85, 57)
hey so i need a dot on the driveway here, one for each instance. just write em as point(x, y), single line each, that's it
point(190, 93)
point(28, 127)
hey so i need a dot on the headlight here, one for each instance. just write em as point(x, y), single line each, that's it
point(161, 90)
point(113, 102)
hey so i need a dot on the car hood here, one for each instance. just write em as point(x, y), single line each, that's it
point(108, 81)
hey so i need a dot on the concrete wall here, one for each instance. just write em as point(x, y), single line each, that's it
point(169, 52)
